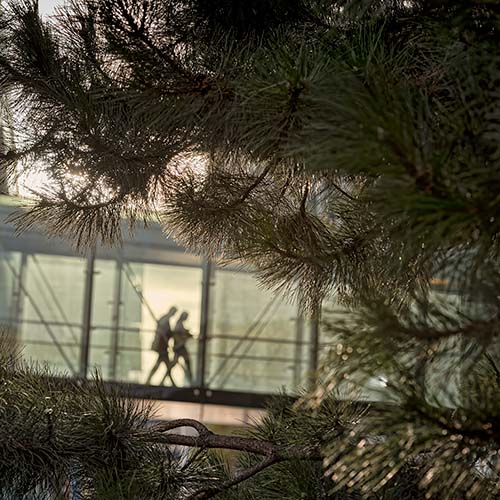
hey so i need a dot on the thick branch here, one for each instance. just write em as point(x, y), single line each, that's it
point(183, 422)
point(208, 439)
point(211, 491)
point(272, 453)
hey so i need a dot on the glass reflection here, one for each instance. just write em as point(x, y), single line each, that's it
point(46, 308)
point(256, 341)
point(146, 324)
point(146, 333)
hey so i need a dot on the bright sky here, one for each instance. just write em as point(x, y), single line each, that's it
point(36, 180)
point(47, 6)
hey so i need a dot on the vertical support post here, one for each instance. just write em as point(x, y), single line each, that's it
point(115, 330)
point(207, 273)
point(299, 336)
point(17, 306)
point(314, 352)
point(87, 313)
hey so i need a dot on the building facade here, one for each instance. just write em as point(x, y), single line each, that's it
point(81, 313)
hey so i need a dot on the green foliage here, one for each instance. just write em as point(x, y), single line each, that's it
point(60, 435)
point(345, 149)
point(435, 366)
point(357, 443)
point(317, 135)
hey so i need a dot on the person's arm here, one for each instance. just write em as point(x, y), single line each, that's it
point(182, 336)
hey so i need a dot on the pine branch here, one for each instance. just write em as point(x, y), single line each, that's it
point(207, 439)
point(140, 33)
point(212, 491)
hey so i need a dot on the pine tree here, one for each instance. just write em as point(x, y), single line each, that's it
point(344, 151)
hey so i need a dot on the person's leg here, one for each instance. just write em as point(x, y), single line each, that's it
point(170, 365)
point(153, 370)
point(187, 365)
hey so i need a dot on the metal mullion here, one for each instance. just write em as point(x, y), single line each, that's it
point(299, 334)
point(116, 318)
point(314, 349)
point(87, 313)
point(207, 275)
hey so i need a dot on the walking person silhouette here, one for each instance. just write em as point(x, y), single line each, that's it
point(181, 335)
point(160, 345)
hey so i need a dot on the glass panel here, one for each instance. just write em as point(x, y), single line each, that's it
point(164, 287)
point(129, 299)
point(129, 363)
point(115, 338)
point(10, 271)
point(257, 343)
point(102, 317)
point(9, 287)
point(51, 312)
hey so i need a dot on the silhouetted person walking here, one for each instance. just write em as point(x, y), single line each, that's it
point(181, 335)
point(160, 345)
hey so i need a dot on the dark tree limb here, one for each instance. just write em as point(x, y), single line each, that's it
point(210, 491)
point(207, 439)
point(183, 422)
point(273, 453)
